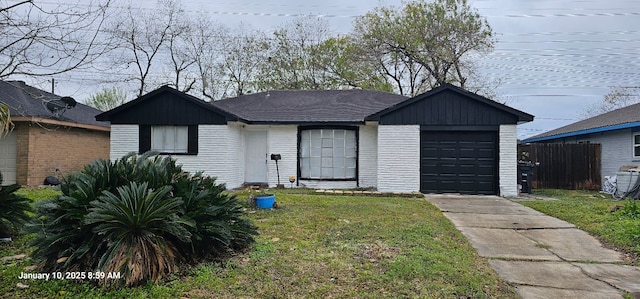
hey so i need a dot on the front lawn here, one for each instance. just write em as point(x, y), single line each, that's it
point(314, 246)
point(616, 222)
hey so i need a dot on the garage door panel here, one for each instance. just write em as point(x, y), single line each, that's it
point(485, 171)
point(459, 162)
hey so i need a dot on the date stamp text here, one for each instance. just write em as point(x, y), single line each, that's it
point(78, 275)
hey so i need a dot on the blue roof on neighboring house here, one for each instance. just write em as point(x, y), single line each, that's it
point(623, 118)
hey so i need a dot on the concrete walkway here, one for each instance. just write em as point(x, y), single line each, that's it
point(541, 256)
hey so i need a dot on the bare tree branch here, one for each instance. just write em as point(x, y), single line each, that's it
point(39, 42)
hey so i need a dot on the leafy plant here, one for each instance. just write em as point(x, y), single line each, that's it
point(218, 218)
point(630, 210)
point(13, 209)
point(139, 215)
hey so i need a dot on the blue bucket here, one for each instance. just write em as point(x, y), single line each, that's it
point(266, 201)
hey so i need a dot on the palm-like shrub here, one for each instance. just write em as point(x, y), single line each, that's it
point(13, 209)
point(219, 225)
point(139, 215)
point(138, 221)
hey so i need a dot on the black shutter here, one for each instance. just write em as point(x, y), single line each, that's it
point(144, 132)
point(192, 147)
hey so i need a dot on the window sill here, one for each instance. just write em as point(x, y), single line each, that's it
point(177, 154)
point(325, 179)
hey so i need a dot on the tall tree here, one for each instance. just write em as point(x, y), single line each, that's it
point(35, 41)
point(617, 97)
point(346, 66)
point(292, 61)
point(143, 36)
point(107, 98)
point(243, 56)
point(425, 44)
point(203, 46)
point(182, 59)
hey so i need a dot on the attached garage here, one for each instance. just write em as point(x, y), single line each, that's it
point(8, 156)
point(459, 162)
point(449, 140)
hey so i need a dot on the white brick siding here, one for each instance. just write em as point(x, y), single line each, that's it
point(507, 161)
point(398, 158)
point(219, 151)
point(235, 150)
point(368, 157)
point(282, 140)
point(217, 154)
point(124, 139)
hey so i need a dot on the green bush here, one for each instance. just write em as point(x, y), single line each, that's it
point(139, 215)
point(13, 210)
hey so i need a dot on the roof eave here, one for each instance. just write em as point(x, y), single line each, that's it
point(584, 132)
point(293, 122)
point(35, 119)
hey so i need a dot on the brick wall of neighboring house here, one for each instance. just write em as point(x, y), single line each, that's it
point(44, 148)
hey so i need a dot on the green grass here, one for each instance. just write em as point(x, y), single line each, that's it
point(316, 247)
point(38, 193)
point(615, 222)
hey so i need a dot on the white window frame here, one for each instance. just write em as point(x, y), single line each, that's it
point(328, 154)
point(170, 139)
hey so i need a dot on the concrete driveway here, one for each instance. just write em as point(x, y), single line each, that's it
point(541, 256)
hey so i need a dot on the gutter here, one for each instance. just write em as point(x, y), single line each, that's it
point(583, 132)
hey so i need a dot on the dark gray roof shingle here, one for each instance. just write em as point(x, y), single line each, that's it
point(25, 100)
point(309, 106)
point(605, 122)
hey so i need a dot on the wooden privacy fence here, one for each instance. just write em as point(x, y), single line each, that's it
point(564, 166)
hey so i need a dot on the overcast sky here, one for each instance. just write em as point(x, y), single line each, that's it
point(554, 57)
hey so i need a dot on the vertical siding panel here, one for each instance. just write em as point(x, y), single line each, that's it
point(451, 120)
point(426, 107)
point(471, 119)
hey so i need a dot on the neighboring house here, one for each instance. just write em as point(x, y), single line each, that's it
point(617, 131)
point(42, 142)
point(446, 140)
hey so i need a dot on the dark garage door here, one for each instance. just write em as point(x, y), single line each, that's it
point(458, 162)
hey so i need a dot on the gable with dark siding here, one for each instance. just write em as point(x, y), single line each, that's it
point(449, 106)
point(167, 106)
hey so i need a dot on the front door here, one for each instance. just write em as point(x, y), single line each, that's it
point(256, 157)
